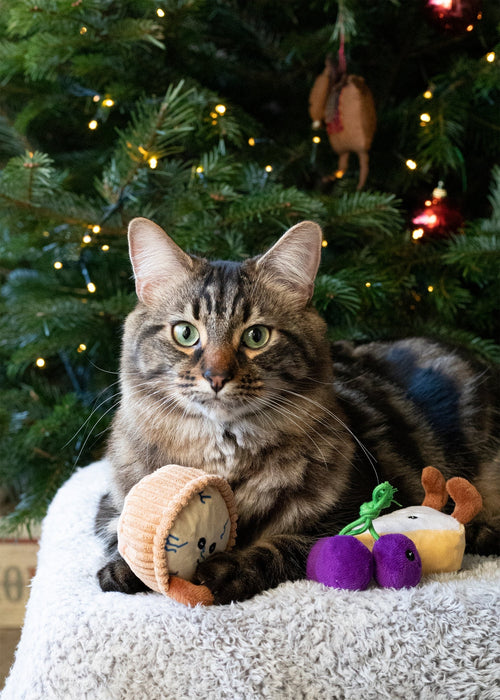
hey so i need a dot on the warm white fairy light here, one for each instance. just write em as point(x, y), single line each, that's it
point(417, 233)
point(316, 139)
point(40, 362)
point(490, 57)
point(153, 162)
point(251, 141)
point(92, 124)
point(96, 98)
point(324, 243)
point(105, 247)
point(428, 94)
point(199, 169)
point(269, 168)
point(425, 117)
point(83, 30)
point(87, 238)
point(91, 287)
point(81, 348)
point(108, 102)
point(220, 109)
point(430, 288)
point(58, 264)
point(160, 12)
point(96, 228)
point(410, 164)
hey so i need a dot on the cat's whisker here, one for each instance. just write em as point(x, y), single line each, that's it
point(287, 413)
point(94, 410)
point(364, 449)
point(111, 408)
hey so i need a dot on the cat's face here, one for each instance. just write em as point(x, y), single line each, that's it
point(221, 340)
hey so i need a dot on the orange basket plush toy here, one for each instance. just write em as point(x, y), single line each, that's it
point(172, 520)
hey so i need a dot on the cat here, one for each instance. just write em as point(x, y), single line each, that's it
point(226, 367)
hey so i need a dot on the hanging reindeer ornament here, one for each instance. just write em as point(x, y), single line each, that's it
point(344, 105)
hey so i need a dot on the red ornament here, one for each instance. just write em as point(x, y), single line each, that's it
point(455, 16)
point(437, 219)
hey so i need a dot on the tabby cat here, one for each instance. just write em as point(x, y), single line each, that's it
point(226, 367)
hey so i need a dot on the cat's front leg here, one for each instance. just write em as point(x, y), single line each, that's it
point(116, 575)
point(241, 574)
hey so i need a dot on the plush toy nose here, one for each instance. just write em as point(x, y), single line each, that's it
point(217, 378)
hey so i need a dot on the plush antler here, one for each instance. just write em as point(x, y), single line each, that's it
point(435, 488)
point(468, 500)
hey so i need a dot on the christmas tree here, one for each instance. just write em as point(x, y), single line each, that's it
point(194, 113)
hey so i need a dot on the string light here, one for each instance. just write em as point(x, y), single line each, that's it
point(83, 30)
point(417, 233)
point(81, 348)
point(93, 124)
point(490, 57)
point(199, 169)
point(91, 287)
point(251, 141)
point(425, 117)
point(324, 243)
point(220, 109)
point(45, 234)
point(58, 264)
point(410, 164)
point(269, 168)
point(470, 28)
point(153, 162)
point(87, 238)
point(40, 362)
point(339, 174)
point(428, 95)
point(105, 247)
point(368, 284)
point(108, 102)
point(96, 98)
point(430, 288)
point(96, 229)
point(160, 12)
point(316, 139)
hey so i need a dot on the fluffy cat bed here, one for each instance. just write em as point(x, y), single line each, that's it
point(301, 640)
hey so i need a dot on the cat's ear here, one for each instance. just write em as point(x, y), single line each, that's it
point(293, 261)
point(158, 262)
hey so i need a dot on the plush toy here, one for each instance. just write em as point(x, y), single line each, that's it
point(401, 546)
point(173, 519)
point(343, 561)
point(439, 538)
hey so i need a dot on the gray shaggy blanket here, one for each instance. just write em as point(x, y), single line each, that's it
point(301, 640)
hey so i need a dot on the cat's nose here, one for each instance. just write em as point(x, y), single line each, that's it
point(217, 379)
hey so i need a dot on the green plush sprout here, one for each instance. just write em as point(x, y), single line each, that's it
point(382, 497)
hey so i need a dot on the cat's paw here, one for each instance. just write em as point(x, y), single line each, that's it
point(223, 574)
point(117, 576)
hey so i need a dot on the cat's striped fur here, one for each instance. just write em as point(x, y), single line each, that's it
point(302, 431)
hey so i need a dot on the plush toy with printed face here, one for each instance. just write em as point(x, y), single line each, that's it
point(172, 520)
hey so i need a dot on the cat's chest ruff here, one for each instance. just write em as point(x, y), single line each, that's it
point(217, 448)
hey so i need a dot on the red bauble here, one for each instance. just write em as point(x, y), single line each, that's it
point(438, 219)
point(454, 16)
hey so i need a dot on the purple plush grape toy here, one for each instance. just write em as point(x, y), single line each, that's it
point(341, 562)
point(397, 562)
point(345, 562)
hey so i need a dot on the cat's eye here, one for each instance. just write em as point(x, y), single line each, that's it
point(185, 334)
point(256, 337)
